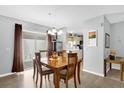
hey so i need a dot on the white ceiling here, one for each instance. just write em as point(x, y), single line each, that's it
point(115, 17)
point(71, 16)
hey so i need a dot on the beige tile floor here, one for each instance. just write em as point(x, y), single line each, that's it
point(25, 80)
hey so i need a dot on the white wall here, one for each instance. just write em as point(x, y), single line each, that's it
point(117, 35)
point(63, 38)
point(106, 30)
point(117, 39)
point(94, 56)
point(7, 40)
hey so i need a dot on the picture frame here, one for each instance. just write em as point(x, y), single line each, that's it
point(107, 40)
point(92, 38)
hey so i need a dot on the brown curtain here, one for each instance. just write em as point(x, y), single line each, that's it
point(17, 60)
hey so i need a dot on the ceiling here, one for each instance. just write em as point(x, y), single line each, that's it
point(115, 17)
point(71, 16)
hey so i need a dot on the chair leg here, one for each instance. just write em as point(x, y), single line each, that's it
point(40, 81)
point(45, 76)
point(75, 81)
point(37, 77)
point(66, 83)
point(34, 71)
point(79, 73)
point(48, 77)
point(54, 79)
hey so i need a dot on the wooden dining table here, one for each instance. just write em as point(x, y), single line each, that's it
point(57, 65)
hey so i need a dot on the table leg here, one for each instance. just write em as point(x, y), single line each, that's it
point(57, 79)
point(104, 68)
point(121, 72)
point(110, 66)
point(78, 72)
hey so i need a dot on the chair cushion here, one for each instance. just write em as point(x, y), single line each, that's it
point(46, 70)
point(63, 74)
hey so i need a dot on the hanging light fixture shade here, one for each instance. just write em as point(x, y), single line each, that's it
point(60, 32)
point(53, 30)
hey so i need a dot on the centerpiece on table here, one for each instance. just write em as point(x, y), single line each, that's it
point(55, 55)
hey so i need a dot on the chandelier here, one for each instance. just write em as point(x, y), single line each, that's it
point(54, 30)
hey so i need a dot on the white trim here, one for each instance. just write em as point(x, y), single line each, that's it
point(98, 74)
point(7, 74)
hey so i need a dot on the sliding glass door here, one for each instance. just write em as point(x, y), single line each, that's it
point(30, 46)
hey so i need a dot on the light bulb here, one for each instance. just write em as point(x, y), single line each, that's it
point(52, 33)
point(54, 30)
point(49, 31)
point(60, 32)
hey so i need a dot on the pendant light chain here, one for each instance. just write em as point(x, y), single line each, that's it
point(54, 30)
point(55, 17)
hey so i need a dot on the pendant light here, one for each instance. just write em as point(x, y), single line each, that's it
point(54, 30)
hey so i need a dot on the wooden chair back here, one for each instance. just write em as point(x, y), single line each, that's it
point(37, 62)
point(44, 53)
point(37, 56)
point(72, 62)
point(64, 53)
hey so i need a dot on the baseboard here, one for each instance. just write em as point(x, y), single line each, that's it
point(7, 74)
point(93, 73)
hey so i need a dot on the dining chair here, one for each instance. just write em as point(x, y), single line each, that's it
point(41, 70)
point(70, 72)
point(34, 66)
point(43, 53)
point(64, 53)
